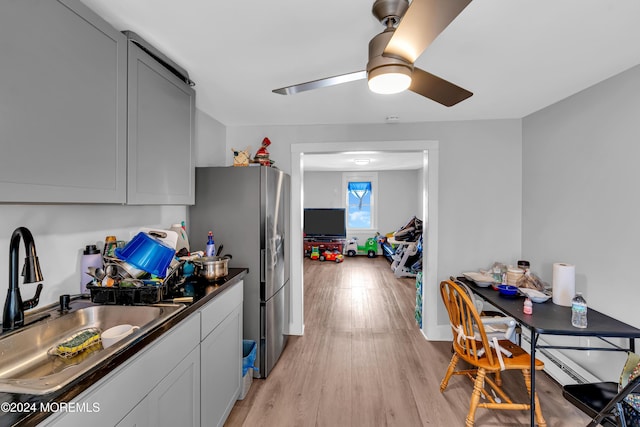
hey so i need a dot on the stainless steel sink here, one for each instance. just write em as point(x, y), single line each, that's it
point(26, 365)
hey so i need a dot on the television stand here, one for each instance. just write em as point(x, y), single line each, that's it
point(323, 244)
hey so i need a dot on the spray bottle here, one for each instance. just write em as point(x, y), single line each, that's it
point(211, 245)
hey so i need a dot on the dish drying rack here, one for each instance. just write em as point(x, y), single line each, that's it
point(145, 294)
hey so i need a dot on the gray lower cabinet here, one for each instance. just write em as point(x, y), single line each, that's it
point(63, 103)
point(221, 369)
point(190, 377)
point(221, 356)
point(173, 402)
point(176, 400)
point(138, 417)
point(161, 126)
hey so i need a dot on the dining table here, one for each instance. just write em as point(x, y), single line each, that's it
point(549, 318)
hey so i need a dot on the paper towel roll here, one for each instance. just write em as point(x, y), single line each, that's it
point(564, 283)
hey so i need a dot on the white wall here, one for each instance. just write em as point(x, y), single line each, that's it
point(480, 179)
point(580, 199)
point(62, 231)
point(399, 199)
point(323, 190)
point(399, 196)
point(211, 137)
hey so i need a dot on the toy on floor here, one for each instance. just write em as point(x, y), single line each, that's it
point(315, 253)
point(334, 255)
point(370, 248)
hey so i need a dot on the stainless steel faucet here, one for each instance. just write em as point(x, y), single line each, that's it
point(14, 307)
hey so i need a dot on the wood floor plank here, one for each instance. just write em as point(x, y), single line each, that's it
point(364, 362)
point(367, 397)
point(334, 368)
point(399, 403)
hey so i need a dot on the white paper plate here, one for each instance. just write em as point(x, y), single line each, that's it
point(535, 295)
point(482, 280)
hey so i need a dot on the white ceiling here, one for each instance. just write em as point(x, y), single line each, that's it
point(517, 56)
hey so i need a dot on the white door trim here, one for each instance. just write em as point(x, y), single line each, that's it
point(429, 196)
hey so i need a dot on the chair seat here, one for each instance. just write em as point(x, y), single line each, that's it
point(520, 359)
point(591, 398)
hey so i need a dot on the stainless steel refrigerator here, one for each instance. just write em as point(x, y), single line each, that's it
point(247, 209)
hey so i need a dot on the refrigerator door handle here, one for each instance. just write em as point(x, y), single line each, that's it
point(262, 265)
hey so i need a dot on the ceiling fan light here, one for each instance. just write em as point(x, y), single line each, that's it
point(389, 79)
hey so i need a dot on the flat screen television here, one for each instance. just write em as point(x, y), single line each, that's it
point(325, 223)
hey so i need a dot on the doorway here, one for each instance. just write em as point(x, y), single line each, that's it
point(428, 188)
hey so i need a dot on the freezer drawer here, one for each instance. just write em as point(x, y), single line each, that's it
point(274, 314)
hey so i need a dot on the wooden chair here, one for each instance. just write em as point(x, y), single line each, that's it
point(495, 324)
point(602, 401)
point(471, 344)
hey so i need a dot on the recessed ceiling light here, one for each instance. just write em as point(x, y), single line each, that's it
point(362, 162)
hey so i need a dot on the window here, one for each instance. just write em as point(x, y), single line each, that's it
point(360, 195)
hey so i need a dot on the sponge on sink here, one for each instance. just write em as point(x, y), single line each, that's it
point(77, 342)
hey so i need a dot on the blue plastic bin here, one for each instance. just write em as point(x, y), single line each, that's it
point(249, 350)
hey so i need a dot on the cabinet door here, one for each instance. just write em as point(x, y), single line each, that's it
point(176, 400)
point(221, 357)
point(62, 104)
point(138, 417)
point(161, 129)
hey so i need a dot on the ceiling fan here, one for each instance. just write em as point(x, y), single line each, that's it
point(410, 29)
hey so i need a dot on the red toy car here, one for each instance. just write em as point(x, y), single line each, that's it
point(332, 256)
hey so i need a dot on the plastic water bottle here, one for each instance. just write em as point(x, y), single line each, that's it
point(579, 311)
point(497, 274)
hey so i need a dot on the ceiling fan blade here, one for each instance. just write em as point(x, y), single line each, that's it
point(421, 24)
point(437, 89)
point(316, 84)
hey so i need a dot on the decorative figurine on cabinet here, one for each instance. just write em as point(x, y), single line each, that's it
point(262, 155)
point(241, 158)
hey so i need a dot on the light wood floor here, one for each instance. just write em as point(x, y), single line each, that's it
point(363, 362)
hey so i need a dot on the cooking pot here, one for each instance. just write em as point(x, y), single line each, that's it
point(212, 267)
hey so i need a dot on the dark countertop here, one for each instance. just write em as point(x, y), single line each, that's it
point(203, 293)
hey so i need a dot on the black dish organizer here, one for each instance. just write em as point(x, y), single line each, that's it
point(143, 295)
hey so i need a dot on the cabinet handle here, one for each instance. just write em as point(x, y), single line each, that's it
point(262, 265)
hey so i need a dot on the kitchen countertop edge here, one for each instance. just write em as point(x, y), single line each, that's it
point(75, 388)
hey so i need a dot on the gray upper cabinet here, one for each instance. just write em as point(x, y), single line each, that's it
point(161, 117)
point(63, 95)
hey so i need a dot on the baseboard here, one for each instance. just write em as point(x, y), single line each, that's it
point(560, 367)
point(295, 330)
